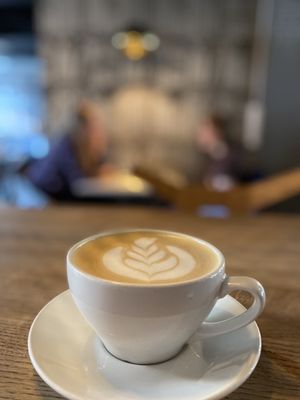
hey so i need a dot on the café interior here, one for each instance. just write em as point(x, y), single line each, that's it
point(180, 115)
point(176, 104)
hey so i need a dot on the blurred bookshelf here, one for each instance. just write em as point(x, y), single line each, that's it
point(203, 61)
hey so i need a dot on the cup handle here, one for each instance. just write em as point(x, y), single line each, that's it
point(230, 284)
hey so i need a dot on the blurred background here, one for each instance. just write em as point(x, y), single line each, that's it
point(185, 103)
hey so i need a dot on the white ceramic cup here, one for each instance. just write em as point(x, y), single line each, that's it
point(150, 323)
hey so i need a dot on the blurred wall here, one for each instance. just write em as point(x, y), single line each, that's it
point(281, 134)
point(202, 64)
point(281, 144)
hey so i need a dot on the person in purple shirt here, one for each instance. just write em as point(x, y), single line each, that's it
point(78, 154)
point(222, 157)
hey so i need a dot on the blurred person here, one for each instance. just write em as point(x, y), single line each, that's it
point(222, 157)
point(80, 153)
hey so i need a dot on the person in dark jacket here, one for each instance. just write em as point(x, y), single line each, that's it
point(79, 153)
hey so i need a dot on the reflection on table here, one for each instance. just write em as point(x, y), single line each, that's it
point(117, 186)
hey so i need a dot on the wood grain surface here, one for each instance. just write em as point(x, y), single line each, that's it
point(33, 246)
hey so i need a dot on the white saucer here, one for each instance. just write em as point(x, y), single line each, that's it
point(69, 357)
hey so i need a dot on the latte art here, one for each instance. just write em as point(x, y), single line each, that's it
point(146, 259)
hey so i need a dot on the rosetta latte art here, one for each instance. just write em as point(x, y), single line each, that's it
point(148, 260)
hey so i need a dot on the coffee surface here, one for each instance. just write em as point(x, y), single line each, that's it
point(145, 257)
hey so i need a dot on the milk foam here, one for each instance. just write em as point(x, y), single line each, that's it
point(147, 259)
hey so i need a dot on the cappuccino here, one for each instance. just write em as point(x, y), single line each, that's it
point(145, 257)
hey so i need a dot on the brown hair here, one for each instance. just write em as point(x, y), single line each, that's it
point(221, 122)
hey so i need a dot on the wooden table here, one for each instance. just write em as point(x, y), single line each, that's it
point(33, 245)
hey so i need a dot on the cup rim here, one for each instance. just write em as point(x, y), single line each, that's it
point(220, 265)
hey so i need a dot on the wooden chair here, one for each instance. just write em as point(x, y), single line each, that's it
point(244, 198)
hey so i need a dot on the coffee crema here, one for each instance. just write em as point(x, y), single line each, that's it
point(145, 257)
